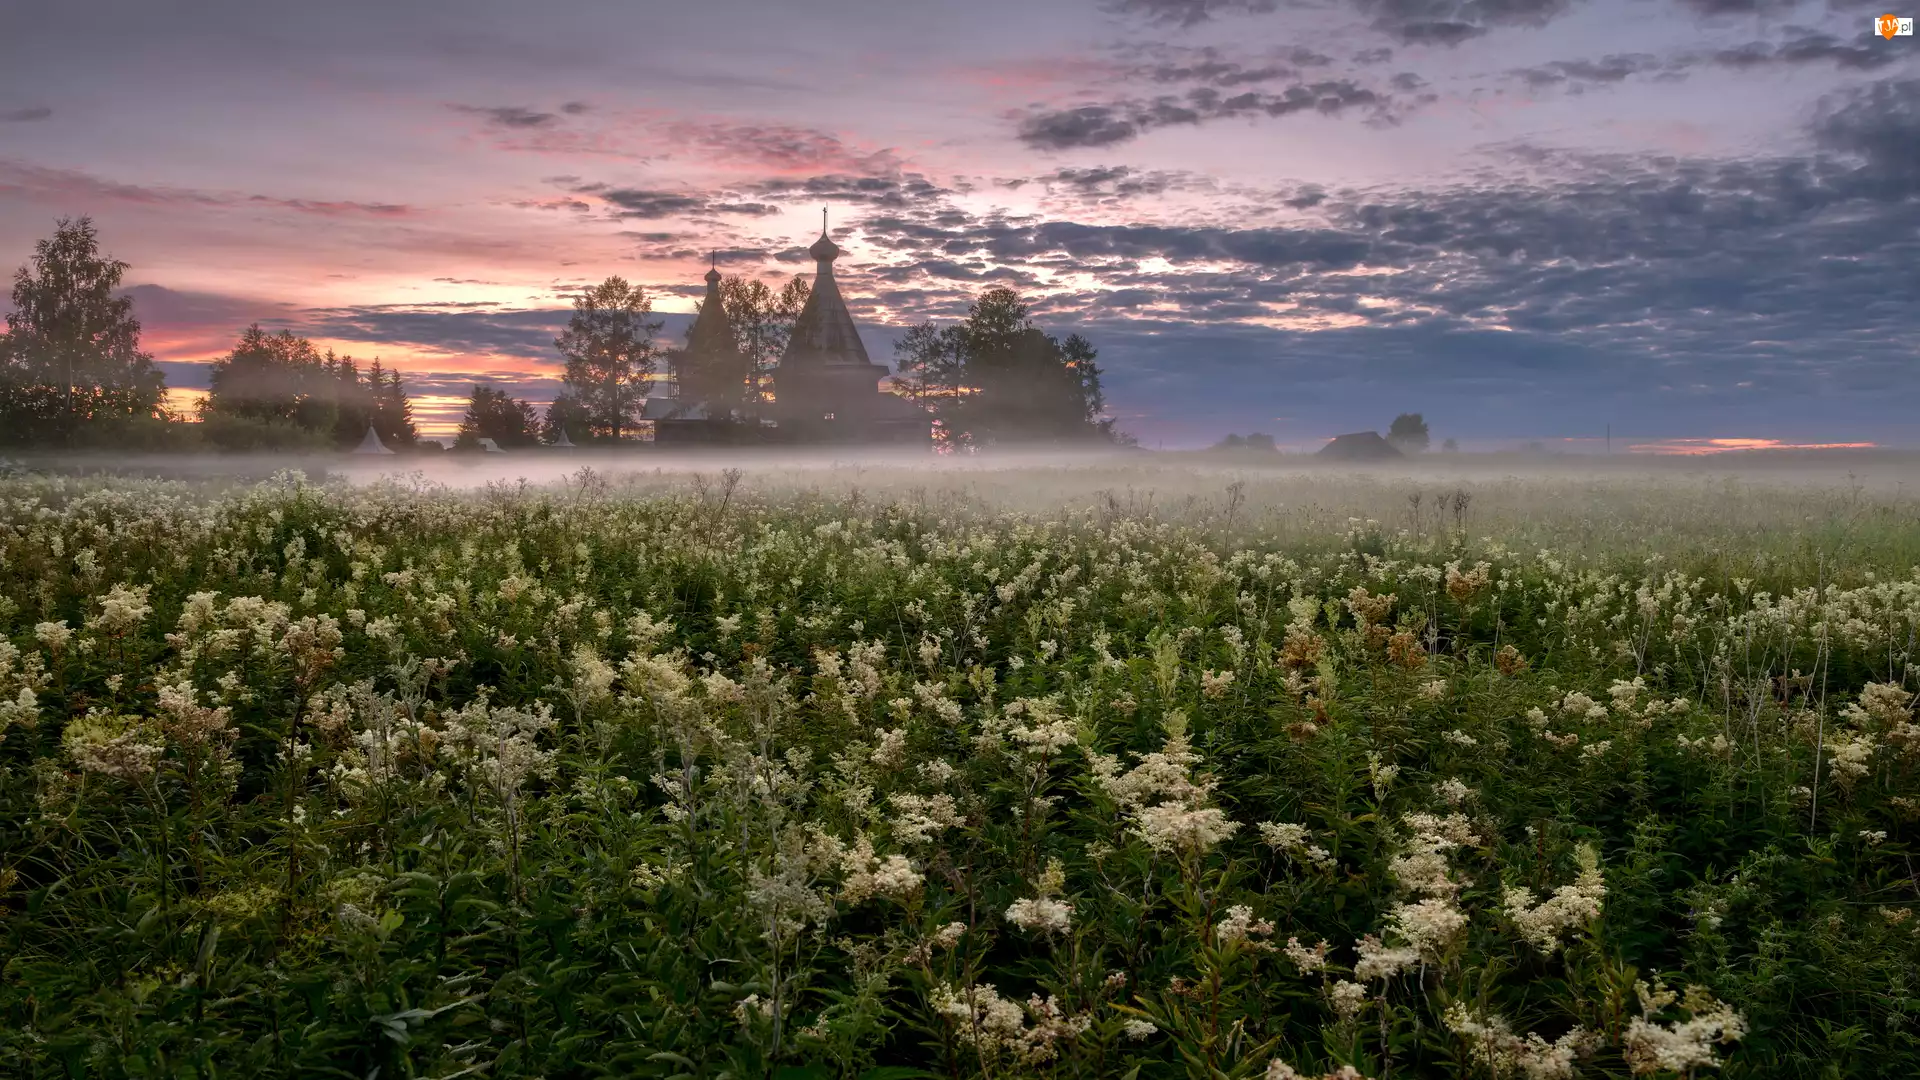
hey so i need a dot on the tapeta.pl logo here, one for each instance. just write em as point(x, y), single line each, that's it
point(1893, 26)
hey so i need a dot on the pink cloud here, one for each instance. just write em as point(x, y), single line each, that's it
point(43, 184)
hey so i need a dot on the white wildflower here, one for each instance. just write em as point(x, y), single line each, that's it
point(1378, 961)
point(1570, 906)
point(1042, 915)
point(1683, 1045)
point(1429, 925)
point(1348, 998)
point(1307, 960)
point(113, 745)
point(1493, 1043)
point(1241, 928)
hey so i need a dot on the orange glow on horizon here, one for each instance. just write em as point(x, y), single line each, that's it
point(1693, 447)
point(184, 402)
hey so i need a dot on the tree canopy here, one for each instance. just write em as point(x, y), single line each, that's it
point(565, 415)
point(1408, 433)
point(610, 351)
point(277, 390)
point(998, 378)
point(71, 356)
point(494, 414)
point(761, 319)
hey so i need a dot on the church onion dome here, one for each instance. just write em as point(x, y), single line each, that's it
point(712, 332)
point(824, 250)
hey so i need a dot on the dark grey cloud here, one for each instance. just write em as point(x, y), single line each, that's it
point(25, 116)
point(749, 209)
point(1450, 22)
point(638, 203)
point(1111, 184)
point(1116, 122)
point(1877, 129)
point(1661, 277)
point(454, 328)
point(574, 205)
point(1210, 65)
point(1189, 12)
point(1411, 22)
point(881, 192)
point(651, 204)
point(781, 148)
point(1797, 46)
point(176, 311)
point(1717, 8)
point(1088, 125)
point(1803, 46)
point(1019, 242)
point(1610, 69)
point(510, 116)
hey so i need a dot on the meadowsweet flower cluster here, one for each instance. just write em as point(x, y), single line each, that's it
point(1570, 907)
point(1680, 1045)
point(856, 769)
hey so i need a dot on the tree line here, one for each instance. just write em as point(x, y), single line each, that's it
point(73, 374)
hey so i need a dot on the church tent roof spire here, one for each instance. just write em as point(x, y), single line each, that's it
point(824, 334)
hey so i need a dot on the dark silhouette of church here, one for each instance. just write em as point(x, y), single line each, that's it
point(825, 389)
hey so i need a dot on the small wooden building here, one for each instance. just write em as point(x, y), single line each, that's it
point(1359, 446)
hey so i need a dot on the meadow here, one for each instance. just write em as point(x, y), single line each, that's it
point(1100, 769)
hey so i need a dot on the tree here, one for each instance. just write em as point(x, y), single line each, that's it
point(495, 414)
point(1450, 446)
point(610, 353)
point(278, 391)
point(1408, 433)
point(272, 378)
point(71, 356)
point(762, 322)
point(352, 398)
point(930, 363)
point(1255, 441)
point(565, 414)
point(996, 377)
point(392, 409)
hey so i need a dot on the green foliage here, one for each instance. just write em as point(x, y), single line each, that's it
point(735, 373)
point(566, 415)
point(997, 378)
point(762, 321)
point(276, 392)
point(494, 414)
point(641, 780)
point(610, 354)
point(1408, 433)
point(71, 360)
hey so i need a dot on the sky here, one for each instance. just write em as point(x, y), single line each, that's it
point(1674, 220)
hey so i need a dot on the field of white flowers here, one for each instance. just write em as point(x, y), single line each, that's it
point(1081, 771)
